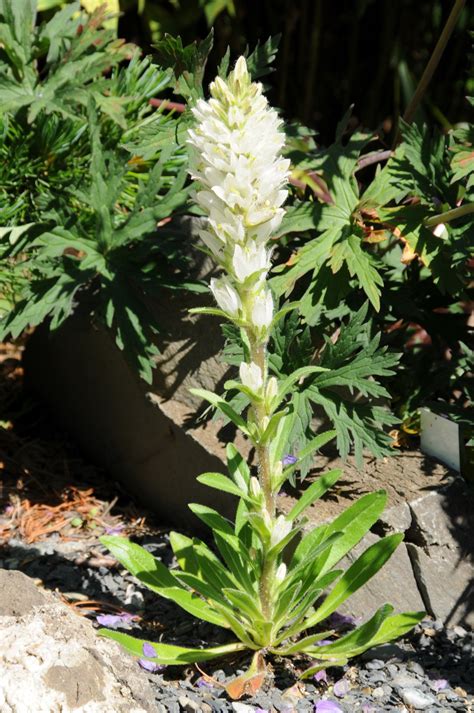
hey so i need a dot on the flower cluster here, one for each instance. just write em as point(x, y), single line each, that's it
point(235, 151)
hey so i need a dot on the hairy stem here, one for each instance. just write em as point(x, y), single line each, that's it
point(258, 355)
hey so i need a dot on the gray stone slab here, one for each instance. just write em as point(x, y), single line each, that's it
point(446, 581)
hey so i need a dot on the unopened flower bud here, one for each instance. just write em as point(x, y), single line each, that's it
point(262, 310)
point(251, 376)
point(255, 488)
point(280, 574)
point(272, 389)
point(225, 296)
point(281, 528)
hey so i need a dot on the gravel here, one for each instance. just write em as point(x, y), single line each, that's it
point(431, 670)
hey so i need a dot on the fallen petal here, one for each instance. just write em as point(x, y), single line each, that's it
point(150, 665)
point(327, 707)
point(148, 650)
point(341, 687)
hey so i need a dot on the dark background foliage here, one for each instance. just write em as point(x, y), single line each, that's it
point(369, 53)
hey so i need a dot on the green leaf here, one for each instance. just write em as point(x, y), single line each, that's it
point(359, 639)
point(363, 569)
point(314, 492)
point(259, 61)
point(223, 406)
point(169, 655)
point(222, 483)
point(154, 575)
point(238, 468)
point(354, 522)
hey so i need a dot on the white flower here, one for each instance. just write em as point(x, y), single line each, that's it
point(235, 154)
point(225, 296)
point(262, 310)
point(281, 528)
point(272, 389)
point(251, 376)
point(248, 260)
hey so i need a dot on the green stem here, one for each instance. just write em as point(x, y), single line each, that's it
point(258, 355)
point(449, 215)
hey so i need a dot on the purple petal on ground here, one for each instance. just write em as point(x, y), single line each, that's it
point(114, 621)
point(321, 676)
point(148, 650)
point(289, 459)
point(341, 687)
point(150, 665)
point(337, 619)
point(204, 683)
point(114, 529)
point(439, 684)
point(327, 707)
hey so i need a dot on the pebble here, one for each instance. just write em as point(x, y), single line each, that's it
point(406, 680)
point(374, 665)
point(415, 667)
point(417, 699)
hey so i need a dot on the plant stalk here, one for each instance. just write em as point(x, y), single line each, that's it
point(433, 62)
point(258, 355)
point(449, 215)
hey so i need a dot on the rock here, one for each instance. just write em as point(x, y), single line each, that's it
point(18, 595)
point(405, 680)
point(441, 551)
point(51, 659)
point(190, 706)
point(393, 583)
point(396, 519)
point(413, 697)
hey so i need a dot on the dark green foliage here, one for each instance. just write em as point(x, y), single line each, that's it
point(88, 205)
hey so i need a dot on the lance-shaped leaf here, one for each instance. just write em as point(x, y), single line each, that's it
point(363, 569)
point(154, 575)
point(314, 492)
point(223, 406)
point(169, 655)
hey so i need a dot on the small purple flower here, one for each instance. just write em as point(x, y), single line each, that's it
point(148, 650)
point(439, 684)
point(204, 683)
point(324, 642)
point(289, 459)
point(115, 621)
point(114, 529)
point(150, 666)
point(341, 687)
point(327, 707)
point(321, 676)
